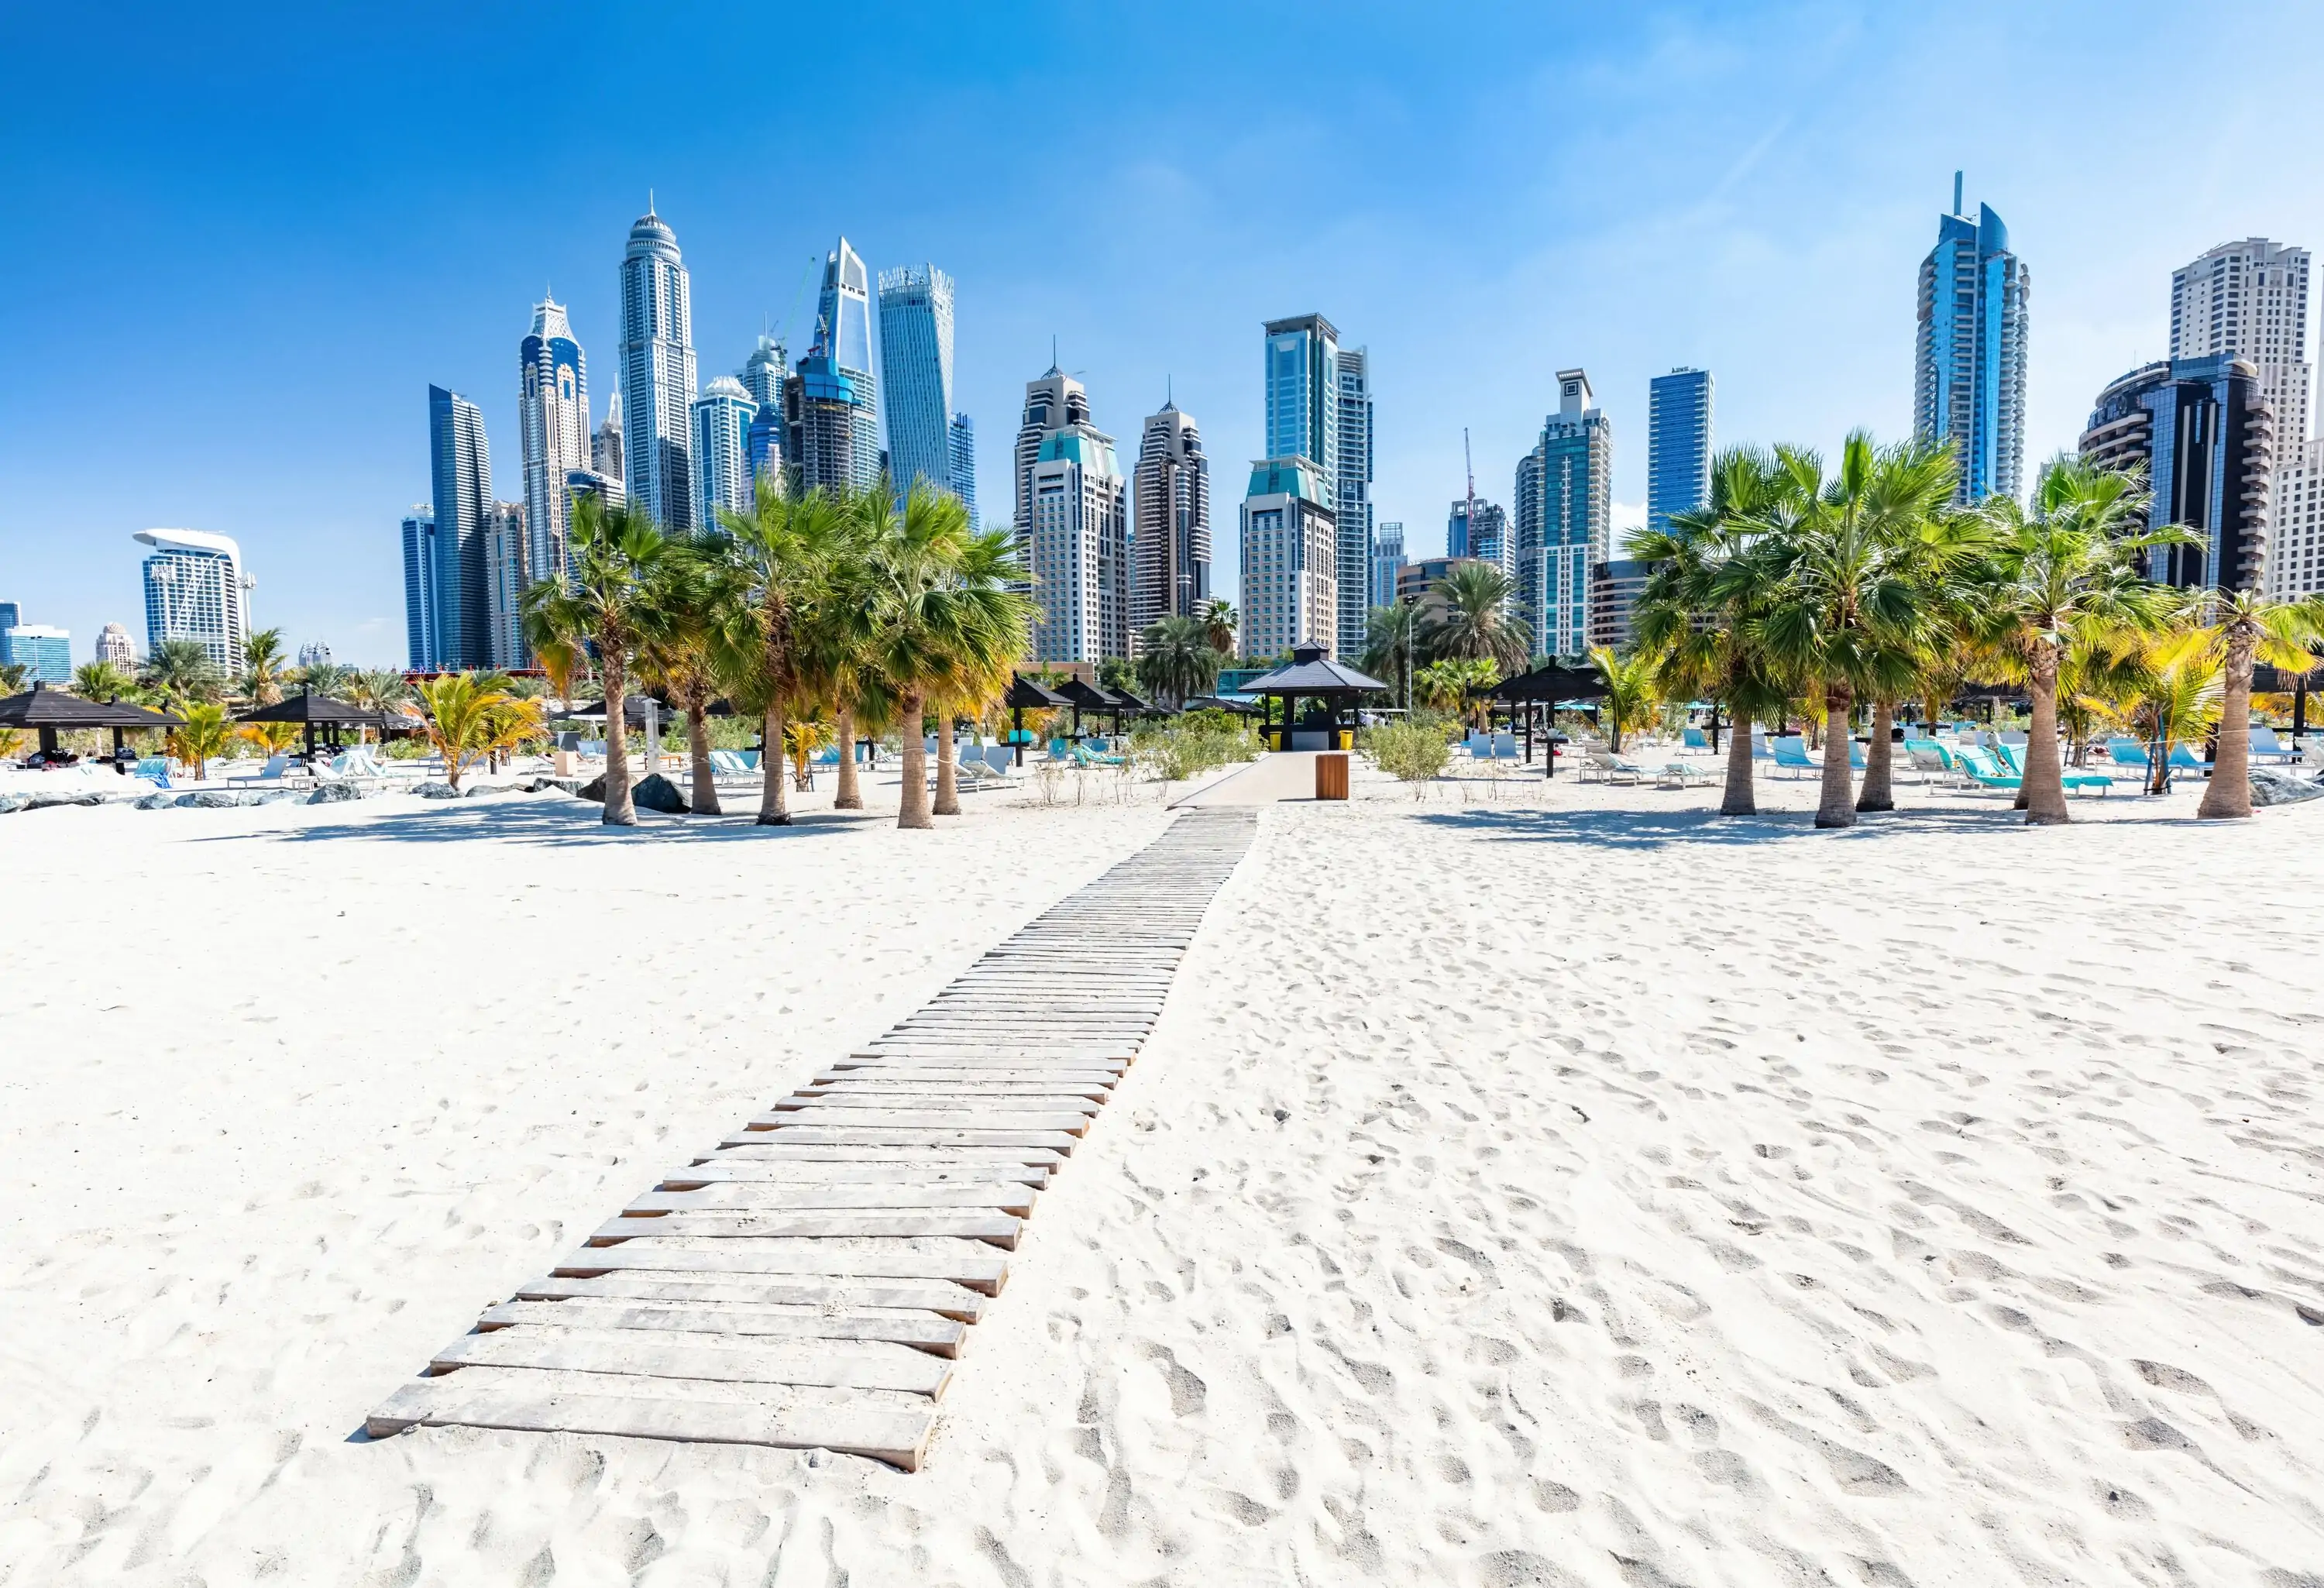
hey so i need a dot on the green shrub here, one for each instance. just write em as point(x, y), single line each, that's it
point(1412, 752)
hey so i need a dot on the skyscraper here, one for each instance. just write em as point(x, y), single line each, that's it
point(1054, 402)
point(606, 446)
point(1078, 548)
point(422, 575)
point(656, 375)
point(196, 589)
point(508, 570)
point(722, 469)
point(1352, 499)
point(915, 308)
point(2201, 429)
point(114, 645)
point(1303, 408)
point(42, 651)
point(2249, 301)
point(462, 467)
point(763, 373)
point(960, 440)
point(1388, 557)
point(1309, 391)
point(552, 409)
point(1968, 377)
point(1485, 536)
point(1678, 444)
point(831, 404)
point(1564, 489)
point(1172, 512)
point(1290, 558)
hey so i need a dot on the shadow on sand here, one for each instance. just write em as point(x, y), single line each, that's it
point(1658, 829)
point(557, 822)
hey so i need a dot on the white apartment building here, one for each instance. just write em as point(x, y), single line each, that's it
point(195, 589)
point(1290, 560)
point(2249, 300)
point(1077, 545)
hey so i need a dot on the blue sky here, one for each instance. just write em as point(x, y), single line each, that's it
point(249, 237)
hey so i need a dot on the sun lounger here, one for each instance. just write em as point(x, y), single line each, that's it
point(2266, 746)
point(1611, 768)
point(1792, 757)
point(2183, 759)
point(2129, 753)
point(1980, 769)
point(1683, 774)
point(2012, 758)
point(1927, 757)
point(1694, 738)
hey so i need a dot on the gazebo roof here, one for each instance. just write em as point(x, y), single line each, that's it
point(1552, 683)
point(1031, 695)
point(307, 706)
point(1088, 697)
point(1132, 703)
point(1219, 703)
point(44, 707)
point(1312, 672)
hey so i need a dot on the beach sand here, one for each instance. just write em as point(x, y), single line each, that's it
point(1524, 1186)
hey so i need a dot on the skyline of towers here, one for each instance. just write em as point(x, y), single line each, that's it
point(658, 374)
point(553, 427)
point(1678, 444)
point(460, 473)
point(1969, 376)
point(196, 589)
point(1171, 505)
point(2249, 301)
point(1564, 504)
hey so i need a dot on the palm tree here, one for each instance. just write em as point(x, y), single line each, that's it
point(2067, 577)
point(778, 546)
point(688, 598)
point(1450, 685)
point(1176, 660)
point(612, 555)
point(1847, 602)
point(456, 716)
point(326, 677)
point(1946, 555)
point(2244, 626)
point(834, 624)
point(15, 677)
point(1392, 637)
point(945, 600)
point(982, 654)
point(510, 722)
point(262, 667)
point(1219, 622)
point(206, 733)
point(2175, 699)
point(103, 680)
point(1699, 612)
point(1630, 694)
point(1472, 623)
point(182, 670)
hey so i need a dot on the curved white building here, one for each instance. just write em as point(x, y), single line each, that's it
point(196, 589)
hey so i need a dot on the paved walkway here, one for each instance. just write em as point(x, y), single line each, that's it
point(808, 1280)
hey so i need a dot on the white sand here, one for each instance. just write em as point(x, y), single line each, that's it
point(1564, 1187)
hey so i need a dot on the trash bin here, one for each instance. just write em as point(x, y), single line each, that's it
point(1332, 775)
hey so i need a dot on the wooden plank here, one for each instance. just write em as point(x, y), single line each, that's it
point(997, 1083)
point(921, 1331)
point(832, 1364)
point(957, 1302)
point(981, 1100)
point(969, 1263)
point(760, 1195)
point(882, 1428)
point(832, 1117)
point(1112, 1064)
point(766, 1146)
point(999, 1228)
point(732, 1167)
point(875, 1135)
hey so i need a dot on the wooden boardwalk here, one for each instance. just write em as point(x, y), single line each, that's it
point(809, 1279)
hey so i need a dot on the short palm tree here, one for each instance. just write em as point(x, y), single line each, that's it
point(511, 721)
point(206, 733)
point(182, 670)
point(1631, 697)
point(2244, 626)
point(325, 678)
point(1176, 660)
point(104, 680)
point(1219, 622)
point(262, 667)
point(1473, 619)
point(689, 598)
point(834, 624)
point(2175, 697)
point(602, 602)
point(1452, 685)
point(1711, 582)
point(15, 677)
point(2068, 576)
point(1392, 638)
point(456, 716)
point(778, 546)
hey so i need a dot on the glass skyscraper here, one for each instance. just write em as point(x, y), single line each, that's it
point(763, 373)
point(1353, 497)
point(1969, 379)
point(722, 470)
point(1304, 407)
point(657, 381)
point(195, 589)
point(2202, 432)
point(552, 409)
point(960, 439)
point(1172, 519)
point(1678, 444)
point(1564, 489)
point(422, 557)
point(916, 307)
point(461, 466)
point(831, 403)
point(1388, 557)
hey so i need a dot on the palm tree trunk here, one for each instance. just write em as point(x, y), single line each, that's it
point(947, 766)
point(774, 795)
point(1738, 801)
point(697, 739)
point(913, 812)
point(2044, 787)
point(620, 810)
point(1837, 807)
point(2230, 791)
point(1878, 793)
point(850, 796)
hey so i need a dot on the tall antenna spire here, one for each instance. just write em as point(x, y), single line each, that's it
point(1957, 192)
point(1469, 464)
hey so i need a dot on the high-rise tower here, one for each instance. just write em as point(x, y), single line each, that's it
point(960, 442)
point(461, 467)
point(1172, 514)
point(831, 403)
point(1565, 499)
point(915, 308)
point(1055, 402)
point(1678, 444)
point(2202, 432)
point(722, 470)
point(1076, 543)
point(656, 375)
point(1353, 495)
point(606, 446)
point(195, 589)
point(1968, 377)
point(2249, 301)
point(1284, 506)
point(552, 408)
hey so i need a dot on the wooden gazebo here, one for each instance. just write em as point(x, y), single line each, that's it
point(49, 712)
point(311, 711)
point(1330, 690)
point(1028, 695)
